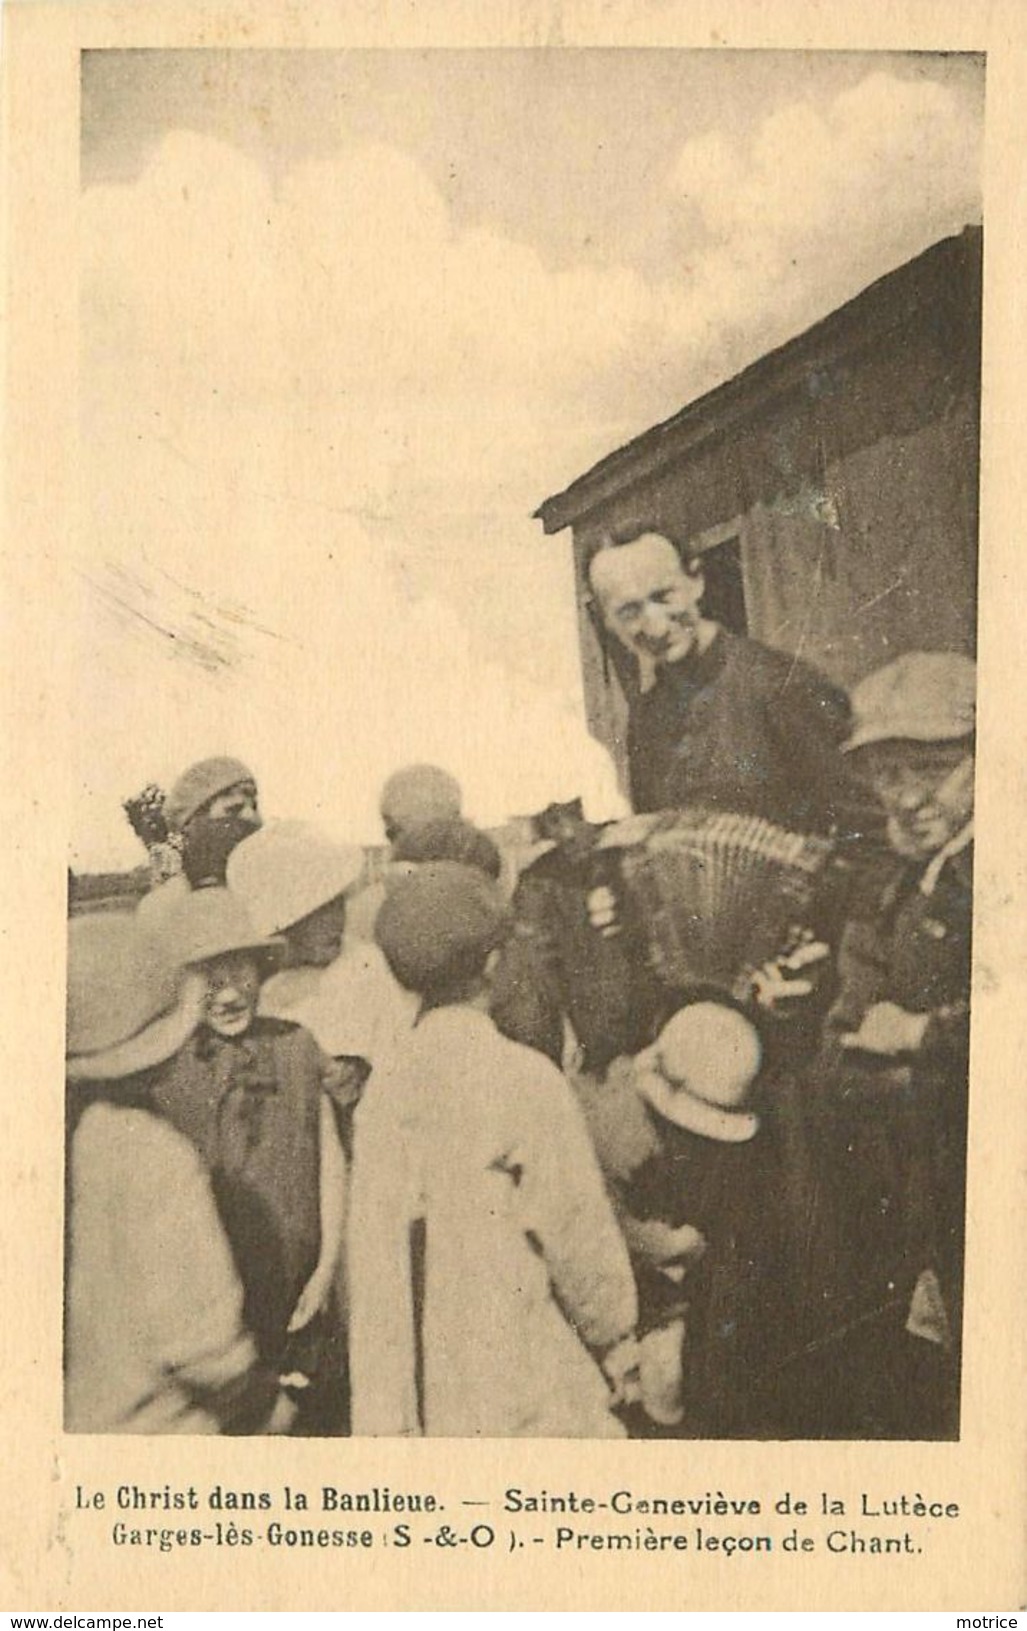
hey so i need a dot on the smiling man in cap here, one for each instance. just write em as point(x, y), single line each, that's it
point(893, 1076)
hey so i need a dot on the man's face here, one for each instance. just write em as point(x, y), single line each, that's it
point(647, 598)
point(926, 789)
point(233, 990)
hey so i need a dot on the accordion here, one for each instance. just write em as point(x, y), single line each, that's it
point(712, 896)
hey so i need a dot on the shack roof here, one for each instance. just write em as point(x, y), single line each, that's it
point(935, 283)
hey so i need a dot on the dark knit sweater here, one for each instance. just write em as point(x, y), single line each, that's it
point(742, 727)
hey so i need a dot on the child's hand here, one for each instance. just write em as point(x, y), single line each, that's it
point(282, 1416)
point(656, 1241)
point(343, 1080)
point(309, 1304)
point(887, 1029)
point(620, 1367)
point(688, 1245)
point(601, 904)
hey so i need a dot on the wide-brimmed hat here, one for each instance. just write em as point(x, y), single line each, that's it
point(201, 783)
point(441, 918)
point(212, 923)
point(289, 869)
point(129, 1007)
point(923, 696)
point(699, 1072)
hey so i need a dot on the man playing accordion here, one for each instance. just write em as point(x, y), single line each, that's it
point(719, 720)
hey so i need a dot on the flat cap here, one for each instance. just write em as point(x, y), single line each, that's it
point(923, 696)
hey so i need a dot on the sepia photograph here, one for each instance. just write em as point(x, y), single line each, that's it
point(523, 732)
point(514, 788)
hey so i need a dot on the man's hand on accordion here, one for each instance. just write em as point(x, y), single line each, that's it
point(779, 983)
point(601, 904)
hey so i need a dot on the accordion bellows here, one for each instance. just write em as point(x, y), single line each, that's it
point(716, 895)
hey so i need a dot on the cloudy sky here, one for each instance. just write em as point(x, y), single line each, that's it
point(348, 317)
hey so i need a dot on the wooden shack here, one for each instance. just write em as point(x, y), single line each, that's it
point(831, 487)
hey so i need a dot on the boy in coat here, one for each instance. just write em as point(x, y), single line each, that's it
point(491, 1291)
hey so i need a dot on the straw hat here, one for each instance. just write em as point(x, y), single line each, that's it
point(287, 870)
point(129, 1008)
point(212, 923)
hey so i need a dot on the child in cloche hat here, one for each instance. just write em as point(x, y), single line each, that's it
point(676, 1135)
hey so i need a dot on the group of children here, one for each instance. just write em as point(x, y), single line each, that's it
point(318, 1183)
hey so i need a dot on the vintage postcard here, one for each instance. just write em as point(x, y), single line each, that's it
point(512, 632)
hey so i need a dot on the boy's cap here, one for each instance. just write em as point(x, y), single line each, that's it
point(453, 839)
point(129, 1008)
point(923, 696)
point(287, 870)
point(700, 1070)
point(438, 918)
point(212, 923)
point(201, 783)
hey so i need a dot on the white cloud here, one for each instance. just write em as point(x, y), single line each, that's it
point(818, 202)
point(356, 678)
point(317, 417)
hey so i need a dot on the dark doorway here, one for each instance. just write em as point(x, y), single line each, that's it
point(724, 599)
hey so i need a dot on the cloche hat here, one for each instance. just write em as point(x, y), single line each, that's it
point(699, 1072)
point(201, 783)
